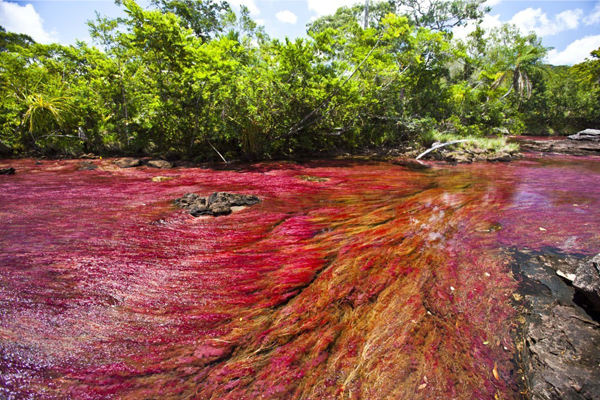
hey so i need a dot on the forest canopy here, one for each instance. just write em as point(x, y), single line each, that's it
point(185, 77)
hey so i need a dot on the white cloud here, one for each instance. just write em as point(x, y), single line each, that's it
point(594, 17)
point(287, 17)
point(491, 3)
point(489, 22)
point(254, 10)
point(260, 22)
point(24, 19)
point(326, 7)
point(533, 19)
point(576, 52)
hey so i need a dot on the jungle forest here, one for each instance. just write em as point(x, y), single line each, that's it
point(191, 79)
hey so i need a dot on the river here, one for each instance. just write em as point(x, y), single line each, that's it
point(374, 282)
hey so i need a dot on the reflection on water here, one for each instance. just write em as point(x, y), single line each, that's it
point(380, 282)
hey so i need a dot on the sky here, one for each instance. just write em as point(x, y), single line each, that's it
point(571, 28)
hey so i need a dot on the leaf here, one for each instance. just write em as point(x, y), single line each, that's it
point(495, 372)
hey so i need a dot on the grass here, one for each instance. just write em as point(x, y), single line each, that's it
point(486, 144)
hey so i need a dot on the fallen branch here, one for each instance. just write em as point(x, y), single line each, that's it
point(435, 147)
point(215, 149)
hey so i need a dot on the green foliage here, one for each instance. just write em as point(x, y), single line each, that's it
point(186, 77)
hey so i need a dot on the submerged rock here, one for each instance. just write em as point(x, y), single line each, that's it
point(7, 171)
point(87, 166)
point(309, 178)
point(587, 134)
point(218, 203)
point(160, 164)
point(162, 178)
point(128, 162)
point(410, 163)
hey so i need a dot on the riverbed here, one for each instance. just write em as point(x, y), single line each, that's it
point(351, 279)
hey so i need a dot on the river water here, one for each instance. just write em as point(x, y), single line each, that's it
point(375, 282)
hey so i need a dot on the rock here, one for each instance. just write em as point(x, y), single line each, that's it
point(572, 147)
point(188, 199)
point(410, 163)
point(160, 164)
point(587, 134)
point(217, 209)
point(218, 203)
point(162, 178)
point(500, 157)
point(87, 166)
point(309, 178)
point(460, 157)
point(90, 156)
point(234, 200)
point(128, 162)
point(7, 171)
point(561, 341)
point(563, 355)
point(587, 280)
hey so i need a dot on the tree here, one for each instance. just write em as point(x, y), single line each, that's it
point(203, 17)
point(441, 15)
point(10, 41)
point(516, 58)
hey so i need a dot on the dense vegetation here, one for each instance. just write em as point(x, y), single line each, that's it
point(186, 78)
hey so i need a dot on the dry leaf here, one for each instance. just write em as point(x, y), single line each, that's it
point(495, 372)
point(422, 386)
point(517, 296)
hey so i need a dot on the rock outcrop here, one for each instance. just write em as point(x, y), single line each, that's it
point(587, 281)
point(464, 156)
point(584, 143)
point(218, 203)
point(587, 134)
point(561, 338)
point(572, 147)
point(7, 171)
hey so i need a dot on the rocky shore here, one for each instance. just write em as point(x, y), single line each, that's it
point(560, 342)
point(584, 143)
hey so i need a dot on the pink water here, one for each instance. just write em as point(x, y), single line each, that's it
point(379, 283)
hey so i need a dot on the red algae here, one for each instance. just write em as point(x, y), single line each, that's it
point(375, 282)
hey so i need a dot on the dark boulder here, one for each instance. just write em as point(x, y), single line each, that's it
point(7, 171)
point(234, 200)
point(128, 162)
point(218, 203)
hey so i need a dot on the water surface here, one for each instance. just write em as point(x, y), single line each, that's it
point(379, 283)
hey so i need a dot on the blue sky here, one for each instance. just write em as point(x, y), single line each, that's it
point(572, 28)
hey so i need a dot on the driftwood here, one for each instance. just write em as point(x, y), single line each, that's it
point(435, 147)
